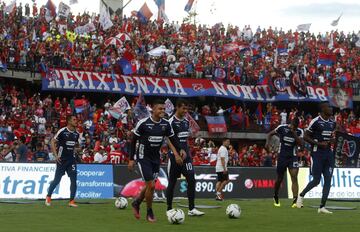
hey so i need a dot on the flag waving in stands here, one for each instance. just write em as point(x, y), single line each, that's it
point(335, 22)
point(50, 11)
point(189, 5)
point(161, 10)
point(194, 127)
point(9, 8)
point(304, 27)
point(140, 110)
point(144, 14)
point(104, 19)
point(169, 107)
point(120, 107)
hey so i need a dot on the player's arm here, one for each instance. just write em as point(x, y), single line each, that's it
point(268, 137)
point(53, 145)
point(222, 159)
point(309, 139)
point(170, 141)
point(134, 139)
point(298, 139)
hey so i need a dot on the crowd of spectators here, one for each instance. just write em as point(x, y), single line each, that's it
point(242, 55)
point(28, 122)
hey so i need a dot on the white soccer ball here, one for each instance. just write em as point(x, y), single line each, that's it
point(233, 211)
point(121, 203)
point(176, 216)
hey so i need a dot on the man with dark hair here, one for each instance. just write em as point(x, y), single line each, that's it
point(21, 151)
point(222, 160)
point(63, 148)
point(181, 129)
point(320, 134)
point(290, 137)
point(40, 155)
point(150, 133)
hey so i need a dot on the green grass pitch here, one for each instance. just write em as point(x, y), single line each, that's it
point(257, 215)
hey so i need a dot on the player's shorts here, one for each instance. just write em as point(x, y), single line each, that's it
point(322, 164)
point(285, 162)
point(222, 177)
point(175, 170)
point(149, 169)
point(68, 166)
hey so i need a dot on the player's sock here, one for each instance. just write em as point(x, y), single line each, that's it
point(136, 209)
point(150, 215)
point(191, 192)
point(276, 201)
point(294, 200)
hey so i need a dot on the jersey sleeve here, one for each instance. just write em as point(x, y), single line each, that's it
point(279, 130)
point(312, 125)
point(58, 135)
point(301, 133)
point(138, 130)
point(222, 153)
point(170, 131)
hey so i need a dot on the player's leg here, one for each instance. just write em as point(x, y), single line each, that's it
point(224, 183)
point(316, 168)
point(173, 175)
point(188, 172)
point(59, 172)
point(146, 173)
point(294, 184)
point(72, 173)
point(327, 173)
point(220, 176)
point(150, 189)
point(280, 173)
point(293, 171)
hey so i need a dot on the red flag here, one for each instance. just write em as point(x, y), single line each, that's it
point(194, 127)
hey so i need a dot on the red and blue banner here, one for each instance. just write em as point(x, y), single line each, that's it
point(347, 149)
point(144, 14)
point(85, 81)
point(216, 124)
point(327, 59)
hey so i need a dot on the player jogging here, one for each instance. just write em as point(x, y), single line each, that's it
point(63, 148)
point(181, 129)
point(290, 137)
point(320, 135)
point(150, 133)
point(222, 160)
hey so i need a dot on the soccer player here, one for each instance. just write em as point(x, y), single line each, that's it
point(320, 135)
point(150, 133)
point(222, 160)
point(290, 137)
point(63, 148)
point(181, 129)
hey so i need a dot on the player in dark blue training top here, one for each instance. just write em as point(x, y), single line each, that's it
point(150, 133)
point(181, 129)
point(290, 138)
point(63, 146)
point(320, 134)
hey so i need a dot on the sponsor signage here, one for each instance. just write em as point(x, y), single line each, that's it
point(22, 180)
point(244, 183)
point(345, 184)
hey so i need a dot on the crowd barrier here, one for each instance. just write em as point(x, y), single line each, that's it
point(98, 181)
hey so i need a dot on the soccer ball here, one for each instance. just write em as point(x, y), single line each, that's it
point(121, 203)
point(176, 216)
point(233, 211)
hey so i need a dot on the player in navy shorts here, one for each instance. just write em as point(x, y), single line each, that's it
point(148, 137)
point(320, 134)
point(63, 147)
point(290, 137)
point(181, 129)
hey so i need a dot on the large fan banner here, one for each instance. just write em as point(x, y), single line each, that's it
point(84, 81)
